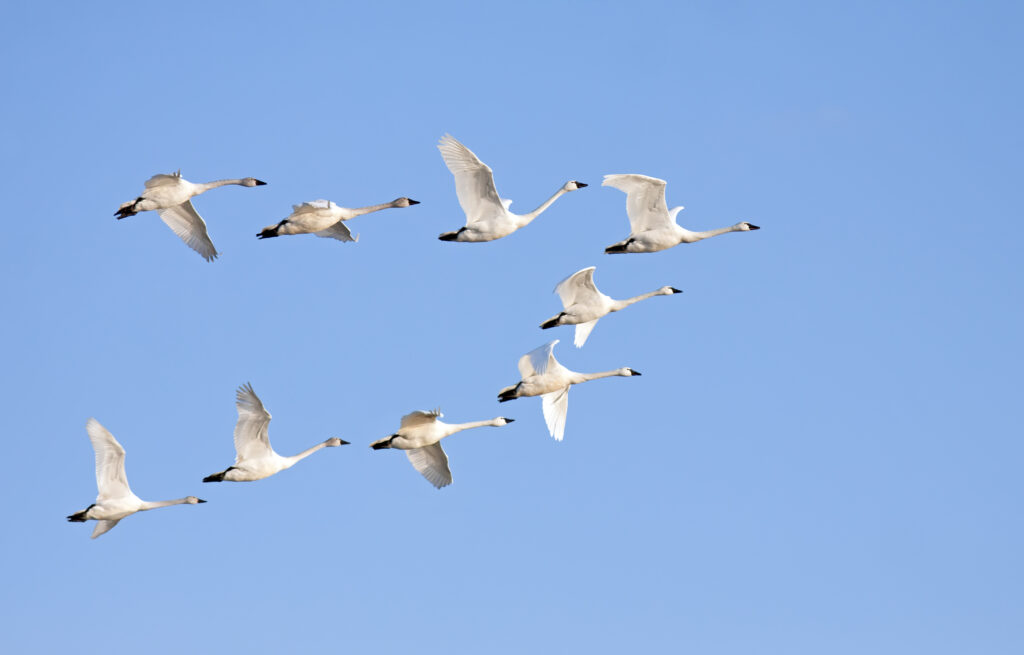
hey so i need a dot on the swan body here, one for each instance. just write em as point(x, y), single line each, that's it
point(487, 215)
point(543, 376)
point(584, 304)
point(652, 224)
point(420, 434)
point(170, 196)
point(115, 500)
point(325, 219)
point(255, 459)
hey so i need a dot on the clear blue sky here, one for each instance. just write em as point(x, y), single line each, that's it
point(823, 453)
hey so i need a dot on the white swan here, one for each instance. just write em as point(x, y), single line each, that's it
point(169, 196)
point(254, 458)
point(487, 215)
point(420, 436)
point(652, 224)
point(115, 500)
point(544, 376)
point(584, 304)
point(325, 219)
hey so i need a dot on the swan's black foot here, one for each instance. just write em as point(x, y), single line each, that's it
point(509, 394)
point(452, 236)
point(551, 322)
point(383, 443)
point(216, 477)
point(79, 517)
point(125, 212)
point(617, 248)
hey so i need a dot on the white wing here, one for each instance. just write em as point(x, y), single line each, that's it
point(578, 288)
point(432, 463)
point(313, 206)
point(110, 479)
point(582, 332)
point(103, 527)
point(251, 438)
point(338, 231)
point(645, 201)
point(163, 180)
point(555, 406)
point(419, 417)
point(190, 228)
point(536, 361)
point(474, 181)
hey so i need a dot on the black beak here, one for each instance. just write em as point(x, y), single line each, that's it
point(581, 185)
point(344, 443)
point(753, 227)
point(634, 372)
point(413, 202)
point(200, 500)
point(675, 290)
point(260, 183)
point(509, 420)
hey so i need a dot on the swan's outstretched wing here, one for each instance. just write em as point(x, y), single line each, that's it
point(103, 527)
point(163, 180)
point(555, 406)
point(432, 462)
point(536, 361)
point(419, 417)
point(474, 181)
point(252, 440)
point(190, 228)
point(578, 288)
point(110, 478)
point(645, 201)
point(338, 231)
point(583, 331)
point(312, 206)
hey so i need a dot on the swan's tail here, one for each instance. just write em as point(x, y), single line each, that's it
point(383, 443)
point(79, 517)
point(509, 393)
point(127, 209)
point(551, 322)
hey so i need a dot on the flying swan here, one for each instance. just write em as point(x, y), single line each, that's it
point(584, 304)
point(115, 500)
point(487, 215)
point(652, 224)
point(255, 459)
point(420, 436)
point(170, 196)
point(544, 376)
point(325, 219)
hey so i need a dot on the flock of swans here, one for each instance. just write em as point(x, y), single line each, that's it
point(653, 227)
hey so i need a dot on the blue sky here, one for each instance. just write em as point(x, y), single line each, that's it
point(822, 454)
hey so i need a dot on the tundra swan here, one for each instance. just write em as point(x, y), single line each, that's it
point(115, 500)
point(420, 436)
point(544, 376)
point(325, 219)
point(652, 224)
point(255, 459)
point(584, 304)
point(170, 196)
point(487, 215)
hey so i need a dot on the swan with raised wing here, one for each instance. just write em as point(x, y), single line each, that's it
point(326, 219)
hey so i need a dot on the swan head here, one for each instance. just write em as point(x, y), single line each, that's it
point(252, 181)
point(746, 227)
point(668, 291)
point(573, 185)
point(335, 441)
point(192, 500)
point(501, 420)
point(628, 372)
point(404, 202)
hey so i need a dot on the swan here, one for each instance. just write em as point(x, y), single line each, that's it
point(584, 304)
point(652, 224)
point(169, 195)
point(115, 500)
point(544, 376)
point(325, 219)
point(487, 215)
point(420, 434)
point(255, 459)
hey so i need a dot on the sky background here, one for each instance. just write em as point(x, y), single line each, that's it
point(823, 453)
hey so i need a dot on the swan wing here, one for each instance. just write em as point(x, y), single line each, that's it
point(578, 288)
point(432, 462)
point(162, 180)
point(583, 331)
point(645, 201)
point(103, 527)
point(312, 206)
point(555, 406)
point(537, 361)
point(474, 181)
point(110, 478)
point(190, 228)
point(419, 417)
point(252, 439)
point(338, 231)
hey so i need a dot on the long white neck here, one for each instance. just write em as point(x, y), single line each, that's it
point(206, 186)
point(689, 236)
point(459, 427)
point(524, 219)
point(359, 211)
point(622, 304)
point(294, 459)
point(576, 378)
point(154, 504)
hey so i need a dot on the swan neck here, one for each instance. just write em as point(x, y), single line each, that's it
point(526, 218)
point(304, 454)
point(154, 504)
point(622, 304)
point(359, 211)
point(697, 236)
point(459, 427)
point(586, 377)
point(206, 186)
